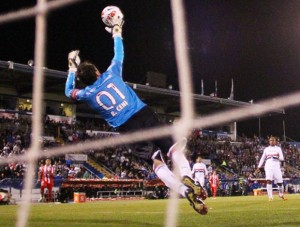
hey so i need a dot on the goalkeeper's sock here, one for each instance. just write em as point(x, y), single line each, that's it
point(270, 190)
point(176, 153)
point(166, 175)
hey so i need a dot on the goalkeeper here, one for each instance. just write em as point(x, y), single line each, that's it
point(118, 104)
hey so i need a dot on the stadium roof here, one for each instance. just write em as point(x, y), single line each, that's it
point(16, 80)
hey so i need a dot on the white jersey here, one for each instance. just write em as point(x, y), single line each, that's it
point(200, 171)
point(199, 168)
point(272, 155)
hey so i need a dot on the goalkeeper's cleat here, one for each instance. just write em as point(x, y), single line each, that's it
point(197, 204)
point(198, 190)
point(282, 197)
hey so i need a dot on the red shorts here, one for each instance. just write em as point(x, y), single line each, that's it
point(213, 188)
point(45, 184)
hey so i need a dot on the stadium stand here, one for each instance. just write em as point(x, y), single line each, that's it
point(65, 122)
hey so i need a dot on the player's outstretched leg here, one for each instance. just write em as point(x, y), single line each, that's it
point(197, 204)
point(197, 189)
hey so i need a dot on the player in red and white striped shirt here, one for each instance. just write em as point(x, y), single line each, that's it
point(214, 183)
point(46, 176)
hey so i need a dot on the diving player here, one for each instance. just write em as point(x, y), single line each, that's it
point(119, 105)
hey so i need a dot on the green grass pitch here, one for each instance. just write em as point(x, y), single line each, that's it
point(224, 211)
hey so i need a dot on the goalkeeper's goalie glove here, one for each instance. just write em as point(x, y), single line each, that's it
point(116, 30)
point(74, 60)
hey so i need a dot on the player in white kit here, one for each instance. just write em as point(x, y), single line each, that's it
point(199, 171)
point(272, 157)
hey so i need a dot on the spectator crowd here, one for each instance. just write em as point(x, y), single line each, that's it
point(232, 159)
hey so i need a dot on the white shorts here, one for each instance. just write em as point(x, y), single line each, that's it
point(274, 174)
point(200, 179)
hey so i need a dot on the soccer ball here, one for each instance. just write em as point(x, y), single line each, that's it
point(111, 15)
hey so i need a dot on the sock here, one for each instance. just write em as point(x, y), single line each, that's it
point(270, 191)
point(178, 157)
point(280, 190)
point(166, 175)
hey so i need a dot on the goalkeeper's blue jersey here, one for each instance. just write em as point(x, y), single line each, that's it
point(110, 96)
